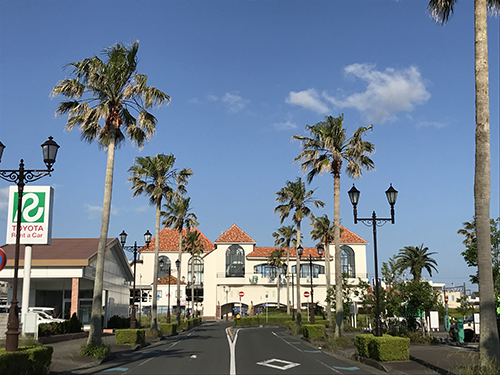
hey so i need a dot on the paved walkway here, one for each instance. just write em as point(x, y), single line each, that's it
point(440, 359)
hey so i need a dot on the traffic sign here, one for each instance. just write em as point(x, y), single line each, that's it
point(306, 294)
point(241, 293)
point(3, 259)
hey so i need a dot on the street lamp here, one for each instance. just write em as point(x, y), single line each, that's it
point(21, 177)
point(178, 265)
point(162, 264)
point(374, 221)
point(123, 239)
point(320, 250)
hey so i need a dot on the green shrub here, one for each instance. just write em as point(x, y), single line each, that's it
point(168, 327)
point(72, 325)
point(118, 322)
point(361, 342)
point(313, 331)
point(95, 350)
point(339, 342)
point(130, 336)
point(26, 360)
point(145, 321)
point(385, 348)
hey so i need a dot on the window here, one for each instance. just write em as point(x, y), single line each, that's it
point(198, 270)
point(163, 266)
point(235, 261)
point(347, 259)
point(266, 270)
point(305, 270)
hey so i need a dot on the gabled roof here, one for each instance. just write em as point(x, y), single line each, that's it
point(235, 235)
point(165, 281)
point(62, 252)
point(169, 240)
point(347, 237)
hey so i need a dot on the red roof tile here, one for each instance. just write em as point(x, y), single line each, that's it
point(263, 252)
point(173, 280)
point(347, 237)
point(234, 234)
point(169, 241)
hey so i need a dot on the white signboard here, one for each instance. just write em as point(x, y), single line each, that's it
point(36, 215)
point(434, 315)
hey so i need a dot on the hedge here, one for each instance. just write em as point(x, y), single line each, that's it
point(313, 331)
point(385, 348)
point(26, 360)
point(72, 325)
point(168, 327)
point(130, 336)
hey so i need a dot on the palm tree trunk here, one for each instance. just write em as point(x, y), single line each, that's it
point(95, 332)
point(287, 278)
point(297, 269)
point(489, 347)
point(179, 281)
point(278, 286)
point(192, 285)
point(154, 302)
point(328, 274)
point(339, 307)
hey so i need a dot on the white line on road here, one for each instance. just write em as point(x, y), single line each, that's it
point(232, 350)
point(291, 344)
point(330, 367)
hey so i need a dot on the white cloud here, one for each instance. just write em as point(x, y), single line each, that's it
point(96, 211)
point(387, 93)
point(433, 124)
point(234, 102)
point(142, 209)
point(212, 98)
point(308, 99)
point(287, 125)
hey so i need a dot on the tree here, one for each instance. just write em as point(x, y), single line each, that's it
point(157, 178)
point(283, 237)
point(192, 245)
point(324, 152)
point(275, 259)
point(294, 197)
point(416, 258)
point(178, 216)
point(112, 91)
point(440, 10)
point(349, 290)
point(470, 252)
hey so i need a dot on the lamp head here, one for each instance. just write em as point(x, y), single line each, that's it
point(147, 237)
point(123, 237)
point(2, 147)
point(300, 250)
point(354, 195)
point(177, 263)
point(391, 194)
point(49, 149)
point(320, 249)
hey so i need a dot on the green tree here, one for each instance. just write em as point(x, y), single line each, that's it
point(109, 90)
point(465, 309)
point(192, 244)
point(276, 260)
point(416, 258)
point(157, 178)
point(440, 10)
point(284, 237)
point(178, 216)
point(323, 152)
point(295, 197)
point(349, 291)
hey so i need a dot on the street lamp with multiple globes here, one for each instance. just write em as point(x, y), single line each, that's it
point(21, 177)
point(123, 239)
point(374, 221)
point(320, 250)
point(162, 264)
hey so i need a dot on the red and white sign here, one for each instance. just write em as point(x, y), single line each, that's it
point(241, 293)
point(306, 294)
point(3, 259)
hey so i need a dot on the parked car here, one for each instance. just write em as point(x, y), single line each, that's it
point(46, 318)
point(48, 310)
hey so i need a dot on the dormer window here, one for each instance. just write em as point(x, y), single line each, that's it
point(235, 261)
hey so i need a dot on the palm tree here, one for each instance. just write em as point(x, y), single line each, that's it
point(283, 237)
point(325, 151)
point(178, 216)
point(156, 178)
point(440, 10)
point(295, 197)
point(192, 245)
point(275, 259)
point(416, 258)
point(110, 90)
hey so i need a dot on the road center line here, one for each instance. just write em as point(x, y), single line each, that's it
point(291, 344)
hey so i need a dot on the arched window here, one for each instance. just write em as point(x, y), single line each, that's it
point(305, 270)
point(235, 261)
point(163, 266)
point(266, 270)
point(348, 262)
point(198, 270)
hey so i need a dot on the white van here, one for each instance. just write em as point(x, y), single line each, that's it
point(48, 310)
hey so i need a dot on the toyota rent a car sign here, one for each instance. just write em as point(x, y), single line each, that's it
point(36, 215)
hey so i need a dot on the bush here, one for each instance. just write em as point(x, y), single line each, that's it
point(72, 325)
point(130, 336)
point(168, 327)
point(293, 327)
point(95, 350)
point(118, 322)
point(361, 342)
point(26, 360)
point(385, 348)
point(339, 342)
point(313, 331)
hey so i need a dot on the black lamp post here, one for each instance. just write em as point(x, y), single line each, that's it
point(320, 249)
point(21, 177)
point(374, 221)
point(162, 264)
point(123, 239)
point(178, 265)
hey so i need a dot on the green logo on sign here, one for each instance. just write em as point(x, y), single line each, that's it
point(33, 210)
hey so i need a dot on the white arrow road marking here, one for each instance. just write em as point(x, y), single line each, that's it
point(193, 356)
point(278, 364)
point(232, 350)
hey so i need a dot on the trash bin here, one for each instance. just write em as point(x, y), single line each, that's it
point(460, 330)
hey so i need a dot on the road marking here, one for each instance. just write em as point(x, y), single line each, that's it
point(151, 352)
point(312, 351)
point(120, 369)
point(352, 368)
point(330, 367)
point(289, 343)
point(232, 350)
point(193, 356)
point(278, 364)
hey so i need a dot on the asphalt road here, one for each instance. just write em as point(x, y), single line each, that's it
point(220, 348)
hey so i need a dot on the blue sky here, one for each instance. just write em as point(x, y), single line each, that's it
point(244, 77)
